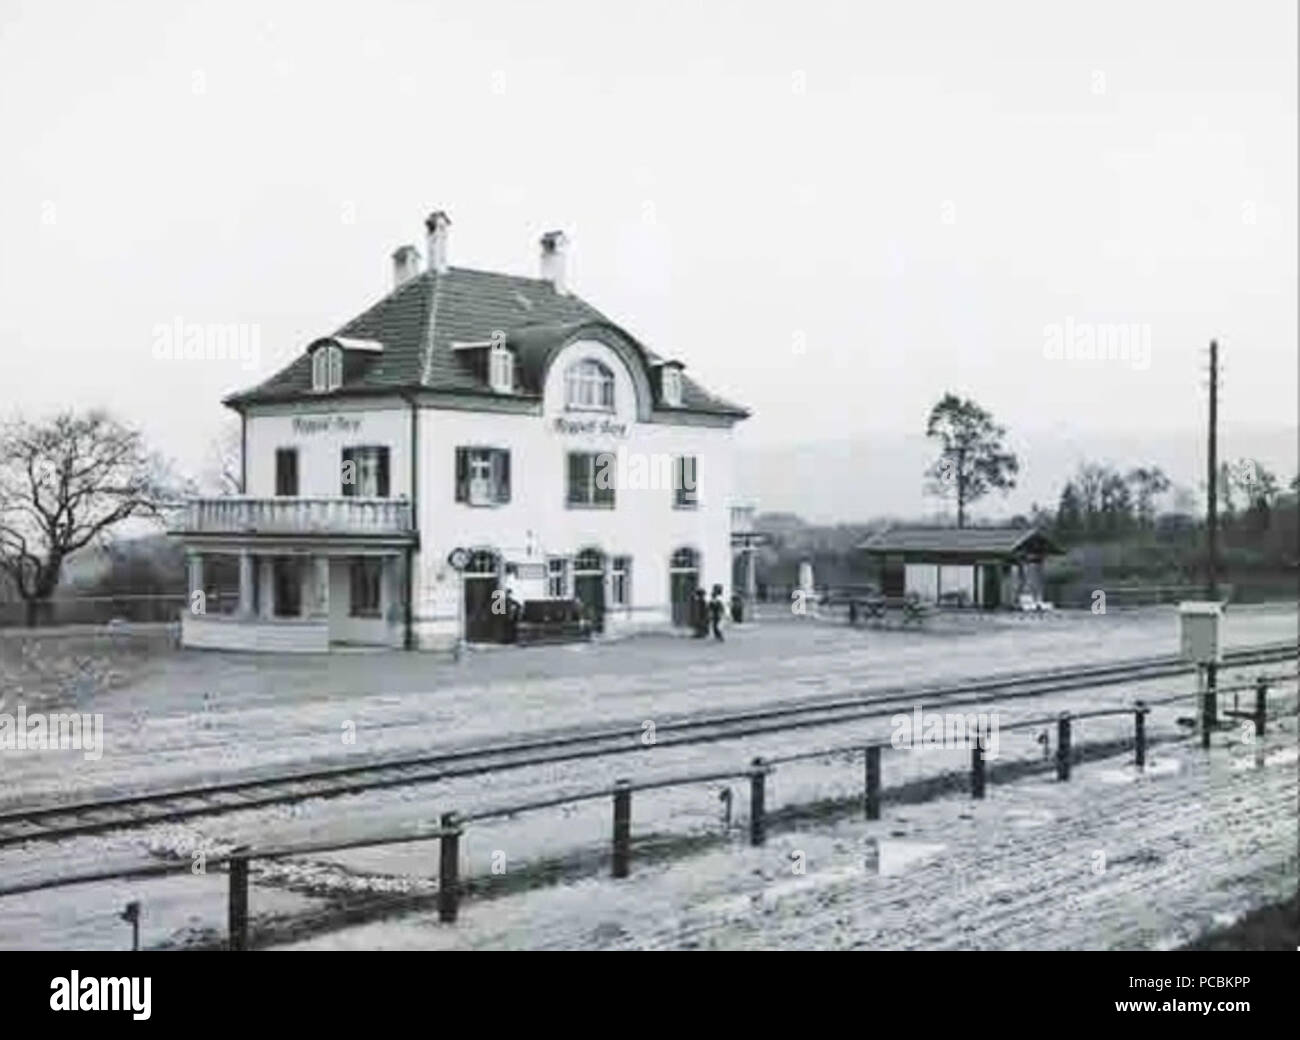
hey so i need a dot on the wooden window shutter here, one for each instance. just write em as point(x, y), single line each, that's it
point(503, 475)
point(382, 467)
point(462, 474)
point(348, 473)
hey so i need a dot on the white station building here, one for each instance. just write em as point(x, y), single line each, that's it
point(497, 415)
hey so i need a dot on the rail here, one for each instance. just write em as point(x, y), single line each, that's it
point(451, 825)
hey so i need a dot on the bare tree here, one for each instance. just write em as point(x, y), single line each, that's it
point(224, 473)
point(64, 482)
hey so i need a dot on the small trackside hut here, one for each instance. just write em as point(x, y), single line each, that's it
point(988, 567)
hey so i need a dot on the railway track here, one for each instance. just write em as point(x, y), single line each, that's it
point(52, 822)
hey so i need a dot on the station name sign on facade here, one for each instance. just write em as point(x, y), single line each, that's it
point(325, 424)
point(605, 426)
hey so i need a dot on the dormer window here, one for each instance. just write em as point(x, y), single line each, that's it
point(501, 369)
point(589, 385)
point(672, 385)
point(327, 368)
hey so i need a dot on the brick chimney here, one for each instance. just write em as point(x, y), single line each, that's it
point(437, 226)
point(554, 245)
point(406, 264)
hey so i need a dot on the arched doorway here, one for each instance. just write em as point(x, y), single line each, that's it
point(683, 580)
point(589, 585)
point(482, 577)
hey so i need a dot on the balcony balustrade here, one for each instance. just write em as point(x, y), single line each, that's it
point(291, 515)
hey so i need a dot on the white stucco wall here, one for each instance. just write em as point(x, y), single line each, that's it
point(536, 523)
point(320, 433)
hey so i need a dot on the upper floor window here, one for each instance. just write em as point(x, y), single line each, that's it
point(591, 479)
point(482, 476)
point(327, 368)
point(685, 483)
point(286, 471)
point(365, 472)
point(557, 577)
point(589, 384)
point(501, 369)
point(672, 385)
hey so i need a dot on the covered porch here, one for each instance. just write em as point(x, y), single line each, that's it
point(310, 574)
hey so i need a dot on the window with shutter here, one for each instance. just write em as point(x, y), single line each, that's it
point(286, 471)
point(591, 479)
point(482, 476)
point(348, 473)
point(685, 483)
point(365, 472)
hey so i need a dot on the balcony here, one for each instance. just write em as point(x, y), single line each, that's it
point(382, 517)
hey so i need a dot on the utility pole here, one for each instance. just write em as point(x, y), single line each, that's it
point(1212, 517)
point(1212, 525)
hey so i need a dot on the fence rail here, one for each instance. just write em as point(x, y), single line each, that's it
point(451, 825)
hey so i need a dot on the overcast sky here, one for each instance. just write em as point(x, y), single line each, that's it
point(831, 212)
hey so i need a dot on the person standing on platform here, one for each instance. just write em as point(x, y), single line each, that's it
point(716, 610)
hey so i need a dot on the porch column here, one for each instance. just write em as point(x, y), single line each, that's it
point(266, 587)
point(246, 605)
point(389, 588)
point(320, 606)
point(195, 560)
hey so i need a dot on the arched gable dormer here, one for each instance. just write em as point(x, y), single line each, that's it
point(547, 355)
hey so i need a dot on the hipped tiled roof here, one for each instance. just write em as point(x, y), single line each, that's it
point(419, 322)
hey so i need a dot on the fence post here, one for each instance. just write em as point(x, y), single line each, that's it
point(449, 868)
point(1140, 733)
point(757, 778)
point(237, 918)
point(1208, 713)
point(976, 769)
point(1063, 746)
point(873, 782)
point(1261, 706)
point(1212, 687)
point(622, 827)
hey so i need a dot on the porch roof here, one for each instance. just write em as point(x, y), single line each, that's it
point(966, 544)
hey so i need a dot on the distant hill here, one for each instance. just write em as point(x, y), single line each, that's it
point(875, 476)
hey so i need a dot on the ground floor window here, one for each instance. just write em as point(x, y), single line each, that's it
point(620, 577)
point(287, 581)
point(367, 576)
point(557, 577)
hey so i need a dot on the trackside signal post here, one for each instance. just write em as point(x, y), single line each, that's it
point(1200, 624)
